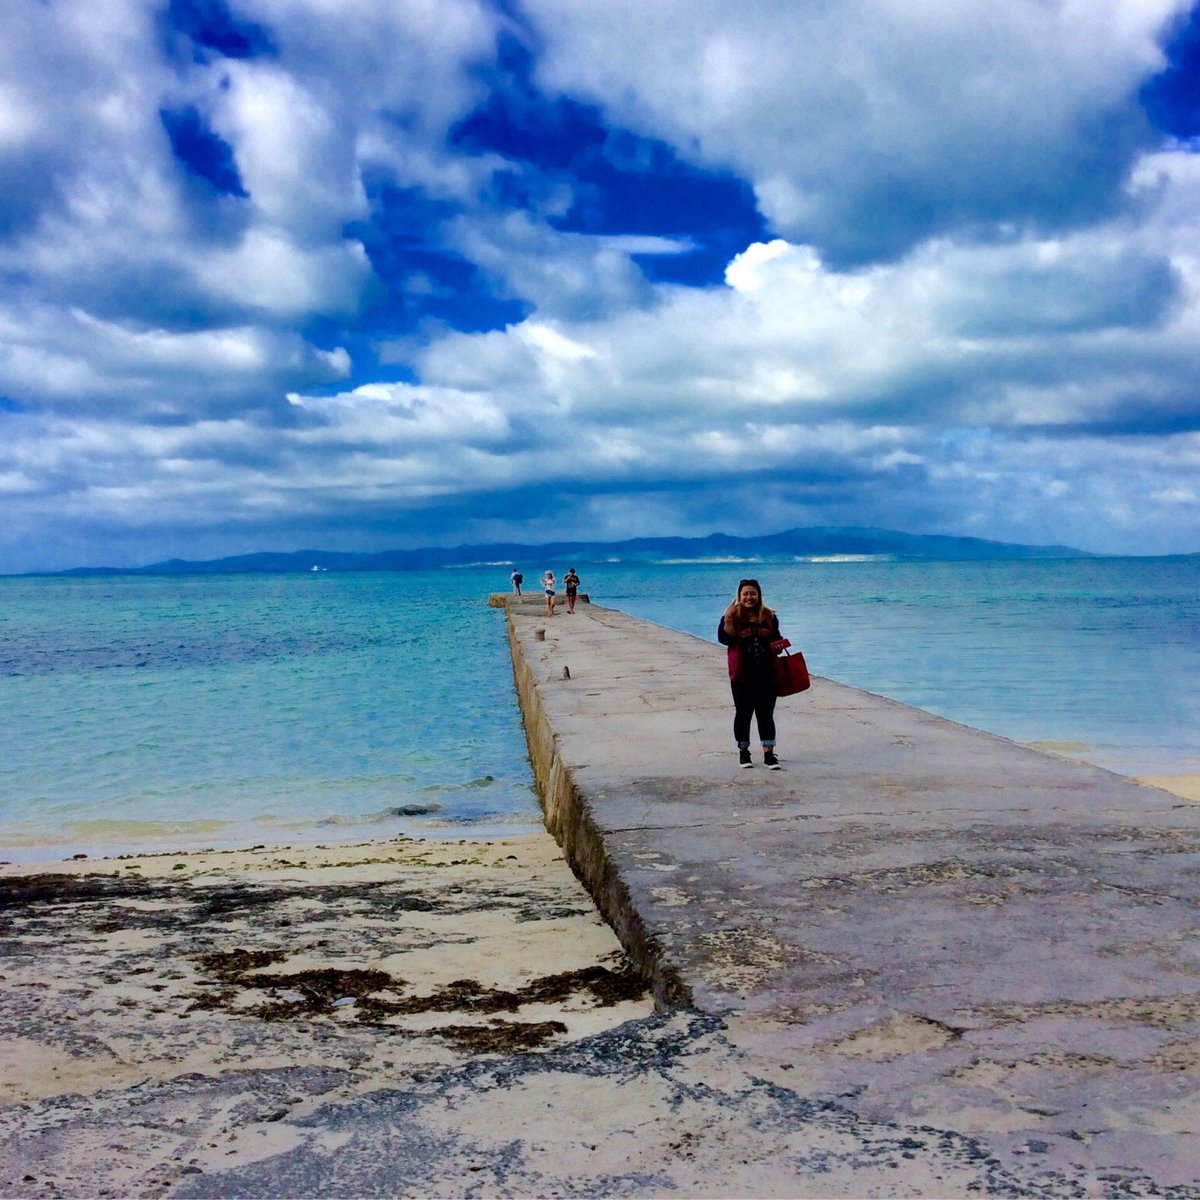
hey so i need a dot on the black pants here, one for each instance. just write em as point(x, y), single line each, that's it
point(754, 697)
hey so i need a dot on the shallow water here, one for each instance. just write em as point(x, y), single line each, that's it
point(189, 711)
point(202, 710)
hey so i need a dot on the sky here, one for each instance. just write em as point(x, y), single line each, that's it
point(370, 274)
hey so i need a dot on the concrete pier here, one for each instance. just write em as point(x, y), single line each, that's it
point(938, 929)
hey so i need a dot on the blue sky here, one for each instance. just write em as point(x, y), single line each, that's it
point(382, 273)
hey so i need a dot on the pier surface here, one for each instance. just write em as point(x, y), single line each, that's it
point(934, 929)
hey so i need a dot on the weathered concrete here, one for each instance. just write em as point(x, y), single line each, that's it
point(938, 927)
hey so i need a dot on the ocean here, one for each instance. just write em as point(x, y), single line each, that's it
point(178, 712)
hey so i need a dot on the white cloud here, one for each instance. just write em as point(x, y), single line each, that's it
point(295, 159)
point(868, 124)
point(564, 274)
point(70, 360)
point(403, 57)
point(745, 273)
point(398, 417)
point(267, 270)
point(104, 224)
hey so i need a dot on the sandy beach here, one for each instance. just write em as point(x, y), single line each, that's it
point(1187, 786)
point(295, 977)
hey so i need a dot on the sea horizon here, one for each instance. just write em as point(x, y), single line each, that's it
point(799, 544)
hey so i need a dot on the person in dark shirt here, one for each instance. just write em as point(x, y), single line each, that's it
point(748, 628)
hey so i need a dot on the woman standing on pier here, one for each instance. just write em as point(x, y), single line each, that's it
point(748, 628)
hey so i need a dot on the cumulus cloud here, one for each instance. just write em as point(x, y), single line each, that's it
point(869, 125)
point(902, 374)
point(70, 361)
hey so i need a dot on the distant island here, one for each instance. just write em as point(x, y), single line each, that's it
point(814, 543)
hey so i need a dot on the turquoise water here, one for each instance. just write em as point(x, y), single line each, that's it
point(151, 712)
point(209, 711)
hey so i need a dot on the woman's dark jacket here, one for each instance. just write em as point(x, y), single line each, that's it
point(751, 659)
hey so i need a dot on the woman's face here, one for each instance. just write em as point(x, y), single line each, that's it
point(748, 597)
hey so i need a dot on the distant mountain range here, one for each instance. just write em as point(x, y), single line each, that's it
point(816, 542)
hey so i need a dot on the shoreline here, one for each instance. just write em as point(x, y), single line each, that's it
point(321, 836)
point(1187, 787)
point(29, 858)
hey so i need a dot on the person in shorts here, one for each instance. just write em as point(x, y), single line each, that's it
point(571, 583)
point(548, 586)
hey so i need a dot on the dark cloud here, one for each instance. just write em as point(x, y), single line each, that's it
point(1063, 292)
point(27, 187)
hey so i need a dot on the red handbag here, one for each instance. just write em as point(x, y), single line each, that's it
point(791, 671)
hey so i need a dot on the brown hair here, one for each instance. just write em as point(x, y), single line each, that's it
point(763, 615)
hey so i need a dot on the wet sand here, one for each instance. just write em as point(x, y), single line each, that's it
point(1187, 786)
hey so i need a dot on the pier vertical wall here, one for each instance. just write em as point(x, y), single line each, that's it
point(569, 820)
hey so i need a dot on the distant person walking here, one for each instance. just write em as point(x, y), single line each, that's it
point(749, 628)
point(548, 587)
point(571, 583)
point(517, 580)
